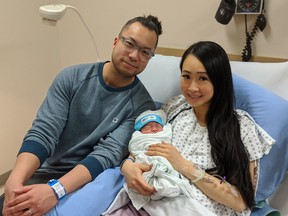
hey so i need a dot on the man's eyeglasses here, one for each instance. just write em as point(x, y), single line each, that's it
point(144, 53)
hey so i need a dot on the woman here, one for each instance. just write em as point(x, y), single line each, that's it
point(215, 147)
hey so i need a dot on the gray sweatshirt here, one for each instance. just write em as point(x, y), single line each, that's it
point(84, 121)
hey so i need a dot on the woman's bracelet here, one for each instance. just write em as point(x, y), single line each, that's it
point(200, 175)
point(222, 179)
point(129, 158)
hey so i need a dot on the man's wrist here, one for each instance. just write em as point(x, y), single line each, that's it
point(130, 159)
point(58, 188)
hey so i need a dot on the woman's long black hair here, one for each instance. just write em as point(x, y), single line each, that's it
point(227, 149)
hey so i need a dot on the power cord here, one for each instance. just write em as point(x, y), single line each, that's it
point(259, 24)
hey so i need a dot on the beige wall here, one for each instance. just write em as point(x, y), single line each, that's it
point(29, 59)
point(31, 53)
point(182, 24)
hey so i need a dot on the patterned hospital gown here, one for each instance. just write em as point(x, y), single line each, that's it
point(192, 141)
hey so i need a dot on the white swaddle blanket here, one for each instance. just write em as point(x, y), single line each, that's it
point(165, 179)
point(174, 195)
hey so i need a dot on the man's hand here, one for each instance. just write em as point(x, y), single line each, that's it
point(133, 175)
point(9, 193)
point(33, 199)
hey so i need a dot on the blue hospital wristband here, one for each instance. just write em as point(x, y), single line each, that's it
point(57, 187)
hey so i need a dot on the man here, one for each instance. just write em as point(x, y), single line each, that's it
point(84, 124)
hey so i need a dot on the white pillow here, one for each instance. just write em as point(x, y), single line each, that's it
point(162, 77)
point(164, 71)
point(273, 76)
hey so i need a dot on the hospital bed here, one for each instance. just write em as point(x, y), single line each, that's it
point(261, 88)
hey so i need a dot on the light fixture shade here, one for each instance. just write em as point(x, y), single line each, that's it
point(225, 11)
point(52, 13)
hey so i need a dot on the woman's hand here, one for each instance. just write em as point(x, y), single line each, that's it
point(169, 152)
point(133, 175)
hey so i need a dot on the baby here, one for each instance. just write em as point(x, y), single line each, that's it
point(150, 128)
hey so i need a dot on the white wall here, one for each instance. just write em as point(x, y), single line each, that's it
point(32, 53)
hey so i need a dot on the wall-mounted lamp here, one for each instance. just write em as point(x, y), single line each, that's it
point(225, 11)
point(52, 13)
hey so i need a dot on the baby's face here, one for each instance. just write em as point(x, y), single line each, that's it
point(151, 127)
